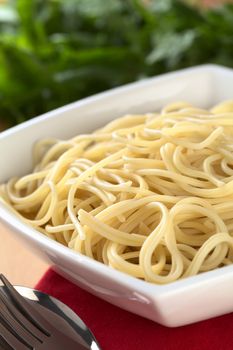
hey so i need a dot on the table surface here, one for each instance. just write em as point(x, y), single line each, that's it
point(15, 258)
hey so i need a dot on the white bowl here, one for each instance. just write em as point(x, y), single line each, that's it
point(189, 300)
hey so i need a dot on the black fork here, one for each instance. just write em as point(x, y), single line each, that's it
point(22, 327)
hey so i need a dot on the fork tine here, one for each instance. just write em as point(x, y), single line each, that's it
point(4, 345)
point(11, 340)
point(20, 318)
point(25, 307)
point(16, 327)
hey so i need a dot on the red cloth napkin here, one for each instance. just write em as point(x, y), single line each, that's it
point(116, 329)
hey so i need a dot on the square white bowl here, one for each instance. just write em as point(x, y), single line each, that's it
point(189, 300)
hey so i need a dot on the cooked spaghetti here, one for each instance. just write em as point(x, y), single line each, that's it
point(149, 195)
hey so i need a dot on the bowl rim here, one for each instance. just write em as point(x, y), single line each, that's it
point(108, 93)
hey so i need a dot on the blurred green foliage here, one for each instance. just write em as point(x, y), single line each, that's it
point(53, 52)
